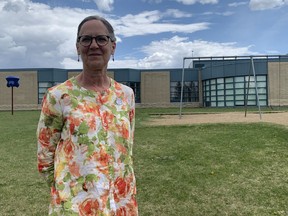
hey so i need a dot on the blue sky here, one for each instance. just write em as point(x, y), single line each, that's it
point(150, 33)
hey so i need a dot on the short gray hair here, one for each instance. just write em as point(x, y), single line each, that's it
point(103, 20)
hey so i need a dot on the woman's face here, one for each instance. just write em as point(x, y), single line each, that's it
point(95, 56)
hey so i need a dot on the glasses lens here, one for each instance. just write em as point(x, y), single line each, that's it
point(86, 40)
point(102, 40)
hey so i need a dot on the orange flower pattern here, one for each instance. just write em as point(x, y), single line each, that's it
point(85, 141)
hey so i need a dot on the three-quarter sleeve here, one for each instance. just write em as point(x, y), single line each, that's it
point(132, 113)
point(48, 135)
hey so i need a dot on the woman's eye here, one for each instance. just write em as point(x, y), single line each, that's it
point(86, 39)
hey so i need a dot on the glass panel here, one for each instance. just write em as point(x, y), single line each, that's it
point(239, 79)
point(190, 91)
point(220, 98)
point(229, 86)
point(213, 81)
point(229, 92)
point(239, 103)
point(229, 103)
point(213, 93)
point(239, 85)
point(239, 91)
point(41, 95)
point(213, 87)
point(229, 98)
point(221, 104)
point(221, 92)
point(239, 97)
point(175, 91)
point(251, 85)
point(45, 84)
point(251, 78)
point(42, 90)
point(220, 86)
point(251, 103)
point(172, 84)
point(213, 98)
point(261, 78)
point(262, 97)
point(251, 97)
point(261, 84)
point(251, 91)
point(220, 80)
point(213, 104)
point(229, 80)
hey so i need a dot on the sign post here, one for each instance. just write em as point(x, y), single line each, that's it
point(12, 82)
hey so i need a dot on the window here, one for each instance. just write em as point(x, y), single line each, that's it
point(42, 89)
point(190, 91)
point(234, 91)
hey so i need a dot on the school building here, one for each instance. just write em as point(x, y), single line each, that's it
point(205, 82)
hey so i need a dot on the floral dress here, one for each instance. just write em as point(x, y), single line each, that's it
point(85, 141)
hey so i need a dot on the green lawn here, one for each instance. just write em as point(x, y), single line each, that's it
point(209, 169)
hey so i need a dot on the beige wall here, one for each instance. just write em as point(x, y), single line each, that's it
point(155, 87)
point(278, 83)
point(73, 73)
point(25, 95)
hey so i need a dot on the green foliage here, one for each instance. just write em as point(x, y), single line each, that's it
point(208, 169)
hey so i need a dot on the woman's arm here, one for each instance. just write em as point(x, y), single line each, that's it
point(48, 135)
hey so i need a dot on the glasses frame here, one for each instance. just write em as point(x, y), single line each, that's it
point(92, 38)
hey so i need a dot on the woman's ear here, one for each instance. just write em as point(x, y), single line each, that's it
point(78, 52)
point(77, 48)
point(113, 47)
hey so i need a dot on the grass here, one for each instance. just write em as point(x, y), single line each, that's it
point(208, 169)
point(221, 169)
point(22, 191)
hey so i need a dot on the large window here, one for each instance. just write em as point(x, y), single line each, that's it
point(235, 91)
point(43, 87)
point(190, 92)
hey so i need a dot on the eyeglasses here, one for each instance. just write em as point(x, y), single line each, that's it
point(86, 40)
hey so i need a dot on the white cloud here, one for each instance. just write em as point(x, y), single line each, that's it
point(169, 53)
point(10, 51)
point(191, 2)
point(267, 4)
point(104, 5)
point(149, 22)
point(42, 36)
point(226, 13)
point(37, 35)
point(176, 13)
point(153, 1)
point(185, 2)
point(71, 63)
point(237, 4)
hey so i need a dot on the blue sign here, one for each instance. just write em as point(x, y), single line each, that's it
point(12, 81)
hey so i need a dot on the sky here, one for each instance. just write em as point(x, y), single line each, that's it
point(151, 34)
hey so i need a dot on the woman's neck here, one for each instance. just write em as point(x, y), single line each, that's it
point(97, 81)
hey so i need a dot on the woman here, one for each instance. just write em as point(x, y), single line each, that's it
point(85, 133)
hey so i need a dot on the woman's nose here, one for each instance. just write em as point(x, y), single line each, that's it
point(94, 43)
